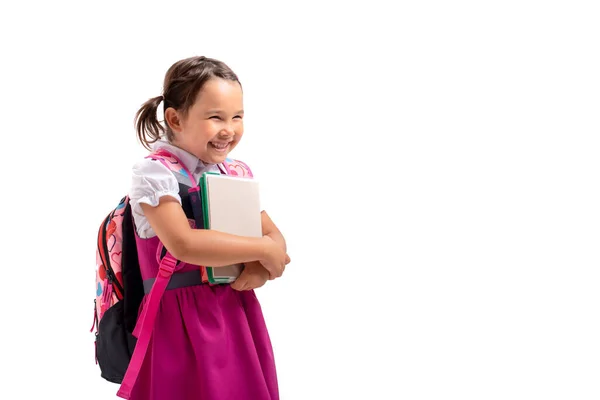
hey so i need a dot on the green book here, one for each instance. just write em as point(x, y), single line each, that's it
point(231, 205)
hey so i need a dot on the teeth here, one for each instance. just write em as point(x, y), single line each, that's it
point(220, 145)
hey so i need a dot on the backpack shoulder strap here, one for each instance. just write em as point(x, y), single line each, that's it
point(143, 331)
point(237, 168)
point(173, 163)
point(145, 323)
point(229, 166)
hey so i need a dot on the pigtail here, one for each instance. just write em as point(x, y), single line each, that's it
point(149, 130)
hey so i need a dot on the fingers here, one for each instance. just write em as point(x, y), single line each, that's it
point(240, 283)
point(256, 286)
point(274, 272)
point(248, 285)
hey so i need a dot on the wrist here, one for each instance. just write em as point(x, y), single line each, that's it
point(261, 248)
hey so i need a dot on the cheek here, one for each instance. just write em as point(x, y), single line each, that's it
point(206, 129)
point(208, 125)
point(238, 136)
point(239, 128)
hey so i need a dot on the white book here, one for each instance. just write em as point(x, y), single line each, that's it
point(231, 205)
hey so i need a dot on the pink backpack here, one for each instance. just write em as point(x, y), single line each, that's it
point(119, 288)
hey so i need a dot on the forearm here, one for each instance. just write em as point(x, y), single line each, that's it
point(216, 249)
point(199, 246)
point(270, 229)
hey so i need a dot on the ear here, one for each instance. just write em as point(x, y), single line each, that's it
point(173, 119)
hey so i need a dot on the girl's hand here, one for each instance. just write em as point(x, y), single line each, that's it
point(253, 276)
point(274, 257)
point(269, 229)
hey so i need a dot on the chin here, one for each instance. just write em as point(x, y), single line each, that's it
point(215, 159)
point(219, 160)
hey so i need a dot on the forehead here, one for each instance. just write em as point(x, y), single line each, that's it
point(220, 93)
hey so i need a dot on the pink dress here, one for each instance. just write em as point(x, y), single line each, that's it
point(209, 342)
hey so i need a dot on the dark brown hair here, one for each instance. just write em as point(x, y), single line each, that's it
point(183, 81)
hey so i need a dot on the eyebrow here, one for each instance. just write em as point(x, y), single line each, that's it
point(215, 111)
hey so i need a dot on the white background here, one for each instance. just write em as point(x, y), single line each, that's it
point(433, 165)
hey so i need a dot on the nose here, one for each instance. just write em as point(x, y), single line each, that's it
point(228, 130)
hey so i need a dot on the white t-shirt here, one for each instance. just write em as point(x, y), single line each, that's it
point(151, 180)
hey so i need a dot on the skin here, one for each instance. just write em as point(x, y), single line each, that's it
point(216, 117)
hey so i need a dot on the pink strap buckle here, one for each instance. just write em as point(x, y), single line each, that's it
point(167, 266)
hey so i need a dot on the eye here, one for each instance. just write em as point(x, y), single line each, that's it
point(238, 117)
point(215, 117)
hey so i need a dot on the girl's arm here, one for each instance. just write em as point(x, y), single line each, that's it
point(269, 229)
point(201, 246)
point(254, 274)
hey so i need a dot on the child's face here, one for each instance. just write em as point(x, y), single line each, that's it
point(214, 125)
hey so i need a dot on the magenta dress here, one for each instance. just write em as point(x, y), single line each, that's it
point(209, 342)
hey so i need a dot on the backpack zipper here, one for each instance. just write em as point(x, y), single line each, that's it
point(95, 323)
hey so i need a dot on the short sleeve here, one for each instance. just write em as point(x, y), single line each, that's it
point(150, 181)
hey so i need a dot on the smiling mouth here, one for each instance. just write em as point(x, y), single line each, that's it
point(219, 146)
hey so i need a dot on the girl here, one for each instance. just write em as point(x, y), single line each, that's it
point(208, 342)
